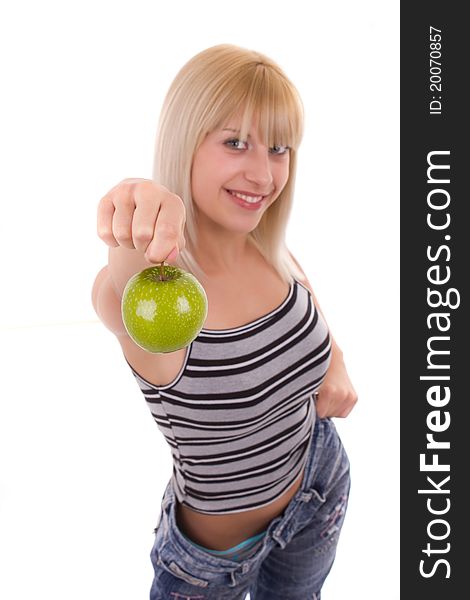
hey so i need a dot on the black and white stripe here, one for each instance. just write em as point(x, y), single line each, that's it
point(239, 415)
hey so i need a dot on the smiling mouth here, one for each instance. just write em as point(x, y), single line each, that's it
point(247, 198)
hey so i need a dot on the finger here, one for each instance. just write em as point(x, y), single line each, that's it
point(143, 223)
point(171, 258)
point(168, 226)
point(124, 207)
point(129, 182)
point(350, 405)
point(105, 221)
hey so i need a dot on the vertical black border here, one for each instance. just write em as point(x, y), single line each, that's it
point(422, 133)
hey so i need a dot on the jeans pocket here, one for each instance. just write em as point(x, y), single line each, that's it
point(333, 519)
point(322, 517)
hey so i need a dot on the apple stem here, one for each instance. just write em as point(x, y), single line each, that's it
point(161, 271)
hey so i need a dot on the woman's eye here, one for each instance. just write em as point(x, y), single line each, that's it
point(279, 150)
point(236, 144)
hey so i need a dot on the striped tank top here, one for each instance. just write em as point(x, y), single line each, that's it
point(239, 415)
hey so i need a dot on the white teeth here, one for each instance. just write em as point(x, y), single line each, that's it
point(250, 199)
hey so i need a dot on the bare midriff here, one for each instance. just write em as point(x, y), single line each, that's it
point(221, 532)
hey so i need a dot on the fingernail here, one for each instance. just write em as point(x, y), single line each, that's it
point(173, 254)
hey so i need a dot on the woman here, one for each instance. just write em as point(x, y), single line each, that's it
point(260, 479)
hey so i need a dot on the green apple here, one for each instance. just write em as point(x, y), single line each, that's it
point(163, 308)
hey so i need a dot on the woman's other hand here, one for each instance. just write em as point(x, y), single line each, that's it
point(336, 395)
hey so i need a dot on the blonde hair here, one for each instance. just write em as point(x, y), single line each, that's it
point(210, 89)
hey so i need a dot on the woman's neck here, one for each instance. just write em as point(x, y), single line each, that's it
point(221, 253)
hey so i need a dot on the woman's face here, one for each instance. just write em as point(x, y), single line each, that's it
point(233, 180)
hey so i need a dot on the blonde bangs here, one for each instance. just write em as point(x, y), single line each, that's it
point(252, 88)
point(273, 104)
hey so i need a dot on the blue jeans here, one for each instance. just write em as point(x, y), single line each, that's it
point(298, 549)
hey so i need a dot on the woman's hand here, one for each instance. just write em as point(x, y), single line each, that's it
point(140, 214)
point(336, 396)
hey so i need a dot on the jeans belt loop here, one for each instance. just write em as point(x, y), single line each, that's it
point(277, 536)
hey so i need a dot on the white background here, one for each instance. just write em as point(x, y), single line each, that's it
point(82, 464)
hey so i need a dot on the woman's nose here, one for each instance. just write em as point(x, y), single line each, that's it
point(258, 169)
